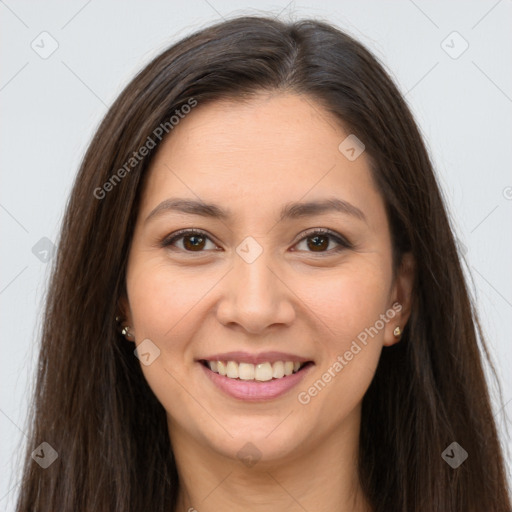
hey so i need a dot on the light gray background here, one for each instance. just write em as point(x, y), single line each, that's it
point(51, 107)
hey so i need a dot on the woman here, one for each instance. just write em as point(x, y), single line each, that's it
point(257, 303)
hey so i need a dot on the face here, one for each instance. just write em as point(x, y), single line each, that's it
point(260, 279)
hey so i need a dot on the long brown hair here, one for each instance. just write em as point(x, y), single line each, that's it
point(92, 403)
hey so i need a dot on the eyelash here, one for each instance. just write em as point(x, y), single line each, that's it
point(342, 242)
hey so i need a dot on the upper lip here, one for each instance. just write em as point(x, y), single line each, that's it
point(262, 357)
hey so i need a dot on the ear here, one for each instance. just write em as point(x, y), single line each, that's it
point(123, 311)
point(401, 299)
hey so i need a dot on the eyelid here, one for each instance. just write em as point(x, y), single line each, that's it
point(168, 240)
point(337, 237)
point(342, 242)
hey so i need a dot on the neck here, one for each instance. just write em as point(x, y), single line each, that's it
point(323, 477)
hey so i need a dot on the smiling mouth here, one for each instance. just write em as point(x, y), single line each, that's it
point(262, 372)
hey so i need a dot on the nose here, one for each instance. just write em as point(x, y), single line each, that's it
point(255, 297)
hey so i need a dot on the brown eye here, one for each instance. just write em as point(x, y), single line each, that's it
point(319, 240)
point(193, 241)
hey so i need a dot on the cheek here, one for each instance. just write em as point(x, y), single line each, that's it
point(349, 339)
point(163, 304)
point(347, 302)
point(162, 299)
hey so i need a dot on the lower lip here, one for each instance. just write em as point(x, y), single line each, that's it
point(256, 391)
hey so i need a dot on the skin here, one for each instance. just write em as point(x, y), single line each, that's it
point(253, 157)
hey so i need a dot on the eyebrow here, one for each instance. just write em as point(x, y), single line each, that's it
point(293, 210)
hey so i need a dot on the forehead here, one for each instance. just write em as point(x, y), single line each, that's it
point(272, 148)
point(265, 127)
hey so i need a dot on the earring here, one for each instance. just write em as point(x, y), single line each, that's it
point(397, 331)
point(126, 332)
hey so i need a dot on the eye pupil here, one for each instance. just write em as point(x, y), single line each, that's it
point(317, 242)
point(320, 245)
point(198, 244)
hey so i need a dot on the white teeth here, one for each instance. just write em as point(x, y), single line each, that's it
point(260, 372)
point(232, 370)
point(221, 367)
point(278, 370)
point(288, 368)
point(263, 371)
point(245, 371)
